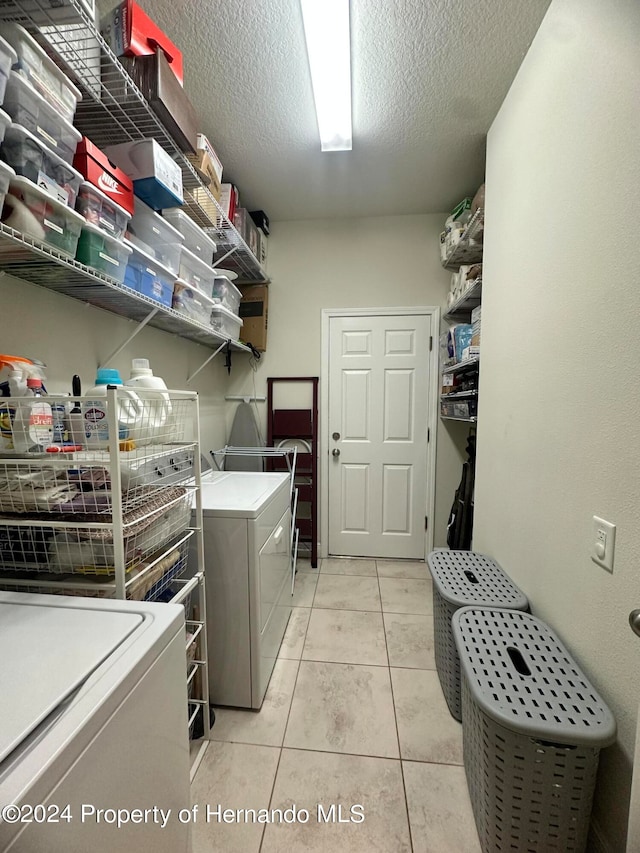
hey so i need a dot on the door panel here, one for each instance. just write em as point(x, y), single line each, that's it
point(378, 406)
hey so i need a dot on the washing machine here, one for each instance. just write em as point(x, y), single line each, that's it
point(93, 712)
point(247, 554)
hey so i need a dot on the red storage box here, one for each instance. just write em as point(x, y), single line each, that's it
point(130, 32)
point(96, 168)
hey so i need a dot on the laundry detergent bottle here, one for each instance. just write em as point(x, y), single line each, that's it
point(155, 423)
point(94, 410)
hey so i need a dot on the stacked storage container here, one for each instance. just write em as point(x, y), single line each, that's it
point(38, 147)
point(156, 251)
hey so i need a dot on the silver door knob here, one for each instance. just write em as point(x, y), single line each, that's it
point(335, 452)
point(634, 621)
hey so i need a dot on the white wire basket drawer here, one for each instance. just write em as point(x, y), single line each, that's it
point(85, 545)
point(82, 482)
point(128, 418)
point(148, 579)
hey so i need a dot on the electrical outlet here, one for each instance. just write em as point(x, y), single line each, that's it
point(603, 543)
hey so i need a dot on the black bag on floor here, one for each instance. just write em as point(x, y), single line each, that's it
point(460, 524)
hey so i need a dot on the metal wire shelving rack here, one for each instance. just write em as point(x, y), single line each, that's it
point(113, 110)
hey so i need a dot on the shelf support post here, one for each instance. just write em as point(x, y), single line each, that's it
point(137, 330)
point(205, 363)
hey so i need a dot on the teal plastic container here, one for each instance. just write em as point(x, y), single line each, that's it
point(98, 250)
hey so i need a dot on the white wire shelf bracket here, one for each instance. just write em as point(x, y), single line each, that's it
point(462, 308)
point(35, 262)
point(469, 249)
point(462, 366)
point(113, 110)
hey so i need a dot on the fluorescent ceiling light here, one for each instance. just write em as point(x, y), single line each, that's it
point(326, 29)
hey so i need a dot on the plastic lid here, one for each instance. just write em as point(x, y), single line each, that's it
point(34, 383)
point(141, 367)
point(108, 376)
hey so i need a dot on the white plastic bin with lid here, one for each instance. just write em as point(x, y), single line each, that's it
point(43, 74)
point(35, 213)
point(195, 240)
point(98, 209)
point(225, 323)
point(8, 57)
point(195, 272)
point(101, 252)
point(6, 175)
point(29, 109)
point(5, 123)
point(226, 293)
point(156, 236)
point(192, 303)
point(29, 156)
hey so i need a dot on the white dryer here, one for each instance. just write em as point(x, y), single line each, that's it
point(93, 712)
point(247, 555)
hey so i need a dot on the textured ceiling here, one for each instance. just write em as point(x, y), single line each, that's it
point(428, 79)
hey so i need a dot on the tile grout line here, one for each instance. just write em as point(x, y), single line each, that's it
point(395, 717)
point(286, 725)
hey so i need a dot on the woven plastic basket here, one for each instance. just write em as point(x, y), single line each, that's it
point(462, 578)
point(533, 727)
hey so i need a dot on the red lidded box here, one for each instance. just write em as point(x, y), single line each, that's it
point(96, 168)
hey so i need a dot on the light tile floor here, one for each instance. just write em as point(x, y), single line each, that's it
point(354, 715)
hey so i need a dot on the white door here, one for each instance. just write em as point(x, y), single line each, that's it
point(377, 424)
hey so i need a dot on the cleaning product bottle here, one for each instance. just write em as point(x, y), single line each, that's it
point(94, 411)
point(156, 403)
point(33, 421)
point(75, 418)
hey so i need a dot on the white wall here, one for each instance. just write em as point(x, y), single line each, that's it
point(352, 263)
point(559, 406)
point(71, 337)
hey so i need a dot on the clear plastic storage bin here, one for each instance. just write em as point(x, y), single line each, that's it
point(196, 272)
point(52, 222)
point(96, 249)
point(195, 240)
point(6, 176)
point(44, 75)
point(225, 323)
point(226, 293)
point(148, 277)
point(98, 209)
point(5, 123)
point(29, 109)
point(191, 302)
point(156, 236)
point(29, 156)
point(8, 57)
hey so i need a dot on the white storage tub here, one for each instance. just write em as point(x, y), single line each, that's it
point(226, 293)
point(44, 75)
point(29, 109)
point(156, 236)
point(101, 252)
point(225, 323)
point(46, 220)
point(98, 209)
point(8, 57)
point(5, 123)
point(6, 176)
point(196, 272)
point(29, 156)
point(195, 240)
point(191, 302)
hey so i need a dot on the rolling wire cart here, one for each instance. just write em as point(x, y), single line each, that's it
point(288, 457)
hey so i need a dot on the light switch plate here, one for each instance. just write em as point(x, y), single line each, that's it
point(603, 542)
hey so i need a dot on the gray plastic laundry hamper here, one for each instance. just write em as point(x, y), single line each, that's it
point(462, 578)
point(533, 727)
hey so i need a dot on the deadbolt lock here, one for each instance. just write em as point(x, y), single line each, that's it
point(336, 436)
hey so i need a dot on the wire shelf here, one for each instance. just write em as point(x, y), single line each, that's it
point(32, 261)
point(113, 110)
point(462, 366)
point(469, 248)
point(462, 308)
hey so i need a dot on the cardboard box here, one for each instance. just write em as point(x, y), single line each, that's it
point(261, 220)
point(254, 311)
point(157, 178)
point(130, 32)
point(203, 198)
point(207, 164)
point(263, 249)
point(98, 170)
point(153, 76)
point(229, 200)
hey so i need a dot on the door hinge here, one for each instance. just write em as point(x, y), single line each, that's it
point(428, 434)
point(426, 522)
point(430, 342)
